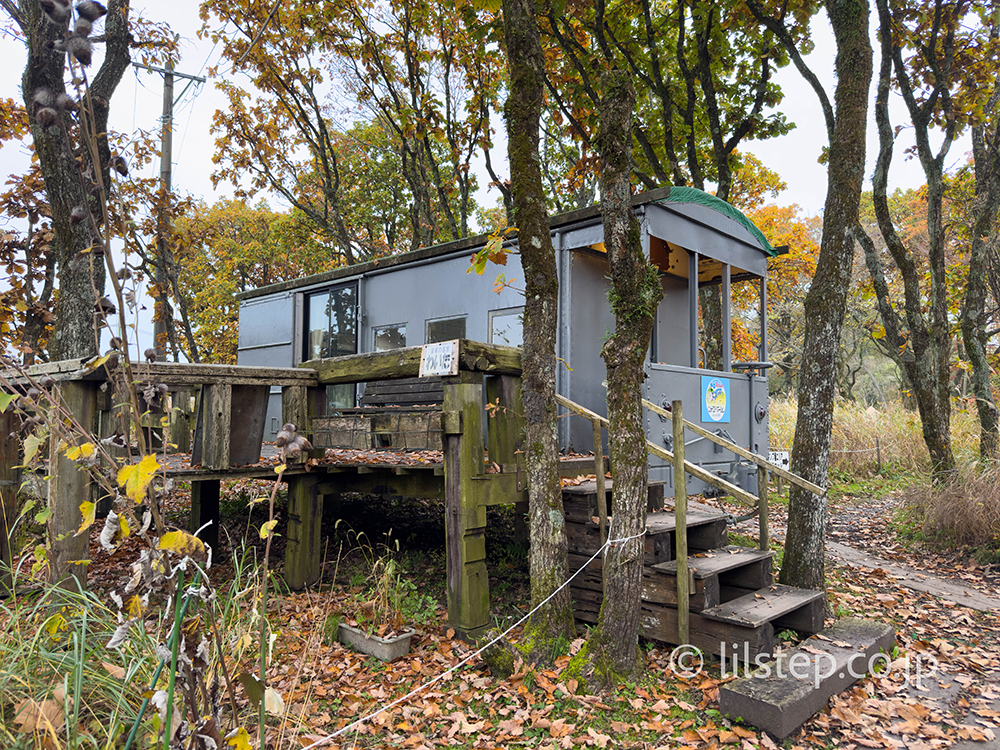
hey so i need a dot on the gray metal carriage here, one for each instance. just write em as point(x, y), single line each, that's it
point(428, 296)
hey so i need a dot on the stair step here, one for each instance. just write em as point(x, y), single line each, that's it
point(716, 561)
point(663, 522)
point(780, 696)
point(778, 604)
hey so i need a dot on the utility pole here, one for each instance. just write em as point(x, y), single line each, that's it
point(161, 307)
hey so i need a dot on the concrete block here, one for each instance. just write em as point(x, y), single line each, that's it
point(781, 695)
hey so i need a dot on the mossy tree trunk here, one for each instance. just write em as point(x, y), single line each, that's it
point(825, 303)
point(549, 565)
point(635, 295)
point(79, 273)
point(918, 326)
point(986, 162)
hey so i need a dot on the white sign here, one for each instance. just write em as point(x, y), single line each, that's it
point(779, 458)
point(439, 359)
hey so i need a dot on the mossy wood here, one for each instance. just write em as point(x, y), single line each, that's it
point(405, 363)
point(681, 541)
point(10, 480)
point(68, 487)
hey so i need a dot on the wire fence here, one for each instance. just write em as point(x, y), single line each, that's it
point(438, 678)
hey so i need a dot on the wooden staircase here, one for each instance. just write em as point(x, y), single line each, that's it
point(734, 603)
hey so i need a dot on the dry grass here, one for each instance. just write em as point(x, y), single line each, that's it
point(964, 513)
point(864, 435)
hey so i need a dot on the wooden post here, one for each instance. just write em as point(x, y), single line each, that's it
point(602, 497)
point(180, 420)
point(205, 508)
point(505, 433)
point(303, 547)
point(68, 487)
point(465, 514)
point(299, 405)
point(765, 532)
point(215, 413)
point(680, 514)
point(9, 483)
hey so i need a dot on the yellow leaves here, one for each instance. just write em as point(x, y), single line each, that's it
point(92, 364)
point(31, 445)
point(6, 399)
point(137, 477)
point(182, 543)
point(135, 610)
point(81, 453)
point(239, 740)
point(87, 512)
point(280, 468)
point(267, 529)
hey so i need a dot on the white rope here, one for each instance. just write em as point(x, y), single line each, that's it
point(472, 656)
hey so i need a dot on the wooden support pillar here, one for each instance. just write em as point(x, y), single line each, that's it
point(299, 405)
point(304, 540)
point(680, 515)
point(205, 509)
point(505, 435)
point(180, 421)
point(68, 487)
point(215, 414)
point(10, 481)
point(465, 513)
point(765, 531)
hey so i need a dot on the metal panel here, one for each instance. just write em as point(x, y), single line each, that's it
point(267, 323)
point(733, 244)
point(442, 289)
point(673, 323)
point(591, 320)
point(665, 383)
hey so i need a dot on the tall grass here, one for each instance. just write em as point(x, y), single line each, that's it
point(867, 440)
point(59, 684)
point(61, 687)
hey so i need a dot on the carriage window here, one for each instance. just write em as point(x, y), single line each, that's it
point(445, 330)
point(390, 337)
point(505, 326)
point(331, 323)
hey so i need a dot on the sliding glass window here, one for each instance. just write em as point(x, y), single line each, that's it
point(331, 323)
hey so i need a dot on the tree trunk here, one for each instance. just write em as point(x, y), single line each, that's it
point(81, 275)
point(634, 298)
point(805, 548)
point(549, 566)
point(985, 154)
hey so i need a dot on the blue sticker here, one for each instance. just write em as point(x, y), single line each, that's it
point(714, 399)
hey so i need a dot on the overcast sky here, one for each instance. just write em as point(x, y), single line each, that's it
point(138, 104)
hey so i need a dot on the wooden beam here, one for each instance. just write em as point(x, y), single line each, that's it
point(171, 373)
point(69, 485)
point(205, 510)
point(465, 513)
point(740, 451)
point(304, 548)
point(473, 356)
point(680, 531)
point(9, 483)
point(215, 413)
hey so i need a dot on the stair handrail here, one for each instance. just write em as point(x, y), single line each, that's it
point(761, 461)
point(694, 470)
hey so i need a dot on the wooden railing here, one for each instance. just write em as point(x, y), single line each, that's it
point(682, 468)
